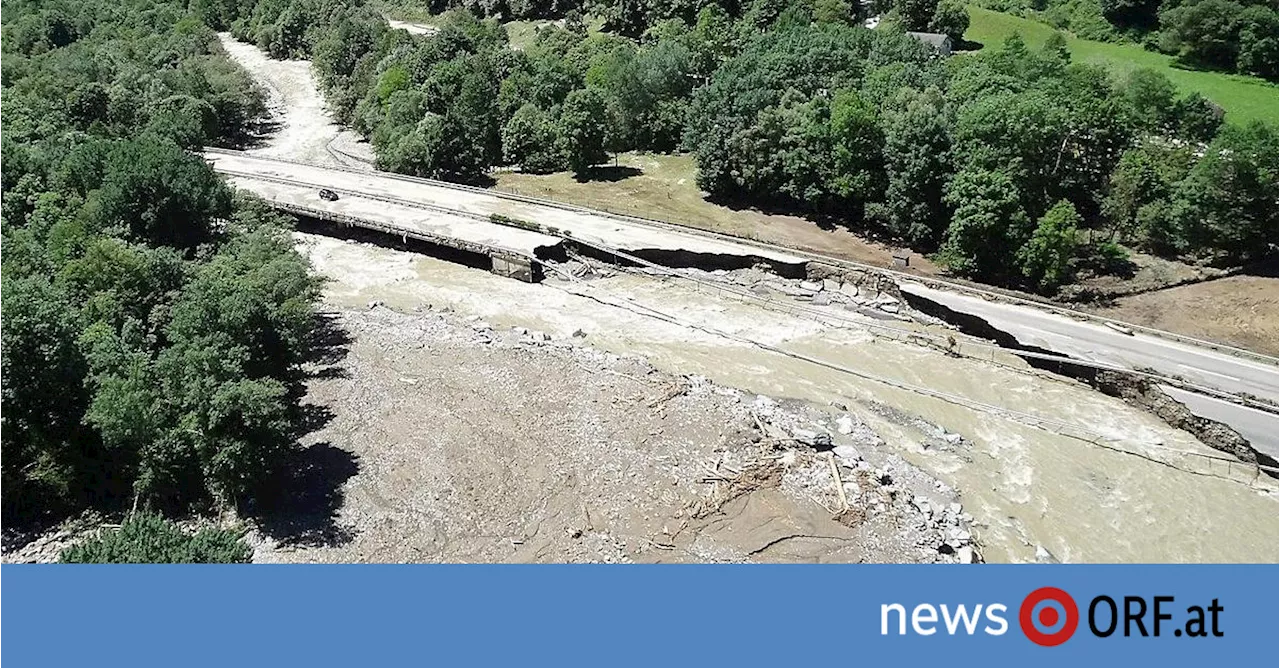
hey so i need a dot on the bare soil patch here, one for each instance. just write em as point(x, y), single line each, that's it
point(1242, 311)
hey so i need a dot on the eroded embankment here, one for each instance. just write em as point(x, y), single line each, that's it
point(1135, 389)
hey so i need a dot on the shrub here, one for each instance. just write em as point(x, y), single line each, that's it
point(146, 538)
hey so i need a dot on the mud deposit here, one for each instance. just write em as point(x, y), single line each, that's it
point(450, 440)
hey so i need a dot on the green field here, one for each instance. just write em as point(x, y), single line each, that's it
point(1243, 98)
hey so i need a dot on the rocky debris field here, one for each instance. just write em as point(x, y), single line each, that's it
point(44, 547)
point(856, 291)
point(450, 440)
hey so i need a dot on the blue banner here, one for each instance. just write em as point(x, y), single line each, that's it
point(640, 615)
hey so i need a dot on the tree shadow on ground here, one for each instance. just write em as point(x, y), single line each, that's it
point(1103, 265)
point(608, 174)
point(825, 221)
point(253, 135)
point(301, 504)
point(302, 507)
point(1266, 267)
point(477, 181)
point(327, 347)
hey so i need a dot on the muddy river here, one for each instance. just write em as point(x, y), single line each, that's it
point(1025, 486)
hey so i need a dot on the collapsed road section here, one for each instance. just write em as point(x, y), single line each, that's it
point(266, 177)
point(1254, 382)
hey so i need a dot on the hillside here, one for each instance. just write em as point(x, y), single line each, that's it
point(1244, 98)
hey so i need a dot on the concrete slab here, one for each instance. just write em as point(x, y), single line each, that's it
point(605, 230)
point(511, 250)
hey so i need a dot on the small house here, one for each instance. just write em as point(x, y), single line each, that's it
point(938, 41)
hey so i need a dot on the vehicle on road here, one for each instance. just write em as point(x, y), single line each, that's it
point(328, 195)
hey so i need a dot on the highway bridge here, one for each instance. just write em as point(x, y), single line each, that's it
point(514, 232)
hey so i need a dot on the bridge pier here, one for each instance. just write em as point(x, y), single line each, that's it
point(515, 266)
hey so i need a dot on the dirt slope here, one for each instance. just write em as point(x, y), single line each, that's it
point(1242, 311)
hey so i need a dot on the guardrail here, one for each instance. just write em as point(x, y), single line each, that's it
point(986, 293)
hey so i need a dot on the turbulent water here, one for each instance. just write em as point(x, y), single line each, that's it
point(1026, 487)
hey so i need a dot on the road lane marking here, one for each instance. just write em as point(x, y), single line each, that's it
point(1211, 373)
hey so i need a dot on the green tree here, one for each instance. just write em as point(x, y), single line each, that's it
point(857, 157)
point(529, 140)
point(1196, 118)
point(1203, 32)
point(1149, 95)
point(833, 11)
point(916, 14)
point(418, 150)
point(950, 18)
point(917, 154)
point(238, 335)
point(712, 40)
point(1045, 259)
point(44, 396)
point(1144, 175)
point(582, 130)
point(1258, 43)
point(988, 226)
point(160, 194)
point(1225, 209)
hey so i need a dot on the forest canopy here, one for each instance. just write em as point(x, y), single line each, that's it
point(154, 322)
point(796, 106)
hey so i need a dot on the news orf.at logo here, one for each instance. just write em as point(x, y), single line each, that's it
point(1048, 616)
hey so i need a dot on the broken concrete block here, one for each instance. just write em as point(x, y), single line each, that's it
point(828, 284)
point(844, 424)
point(848, 455)
point(803, 435)
point(811, 286)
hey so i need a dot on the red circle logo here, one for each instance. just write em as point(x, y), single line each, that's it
point(1048, 616)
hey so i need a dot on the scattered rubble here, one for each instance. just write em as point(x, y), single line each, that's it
point(525, 447)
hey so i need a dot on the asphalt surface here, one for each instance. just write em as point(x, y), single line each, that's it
point(1098, 343)
point(1257, 427)
point(615, 232)
point(450, 230)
